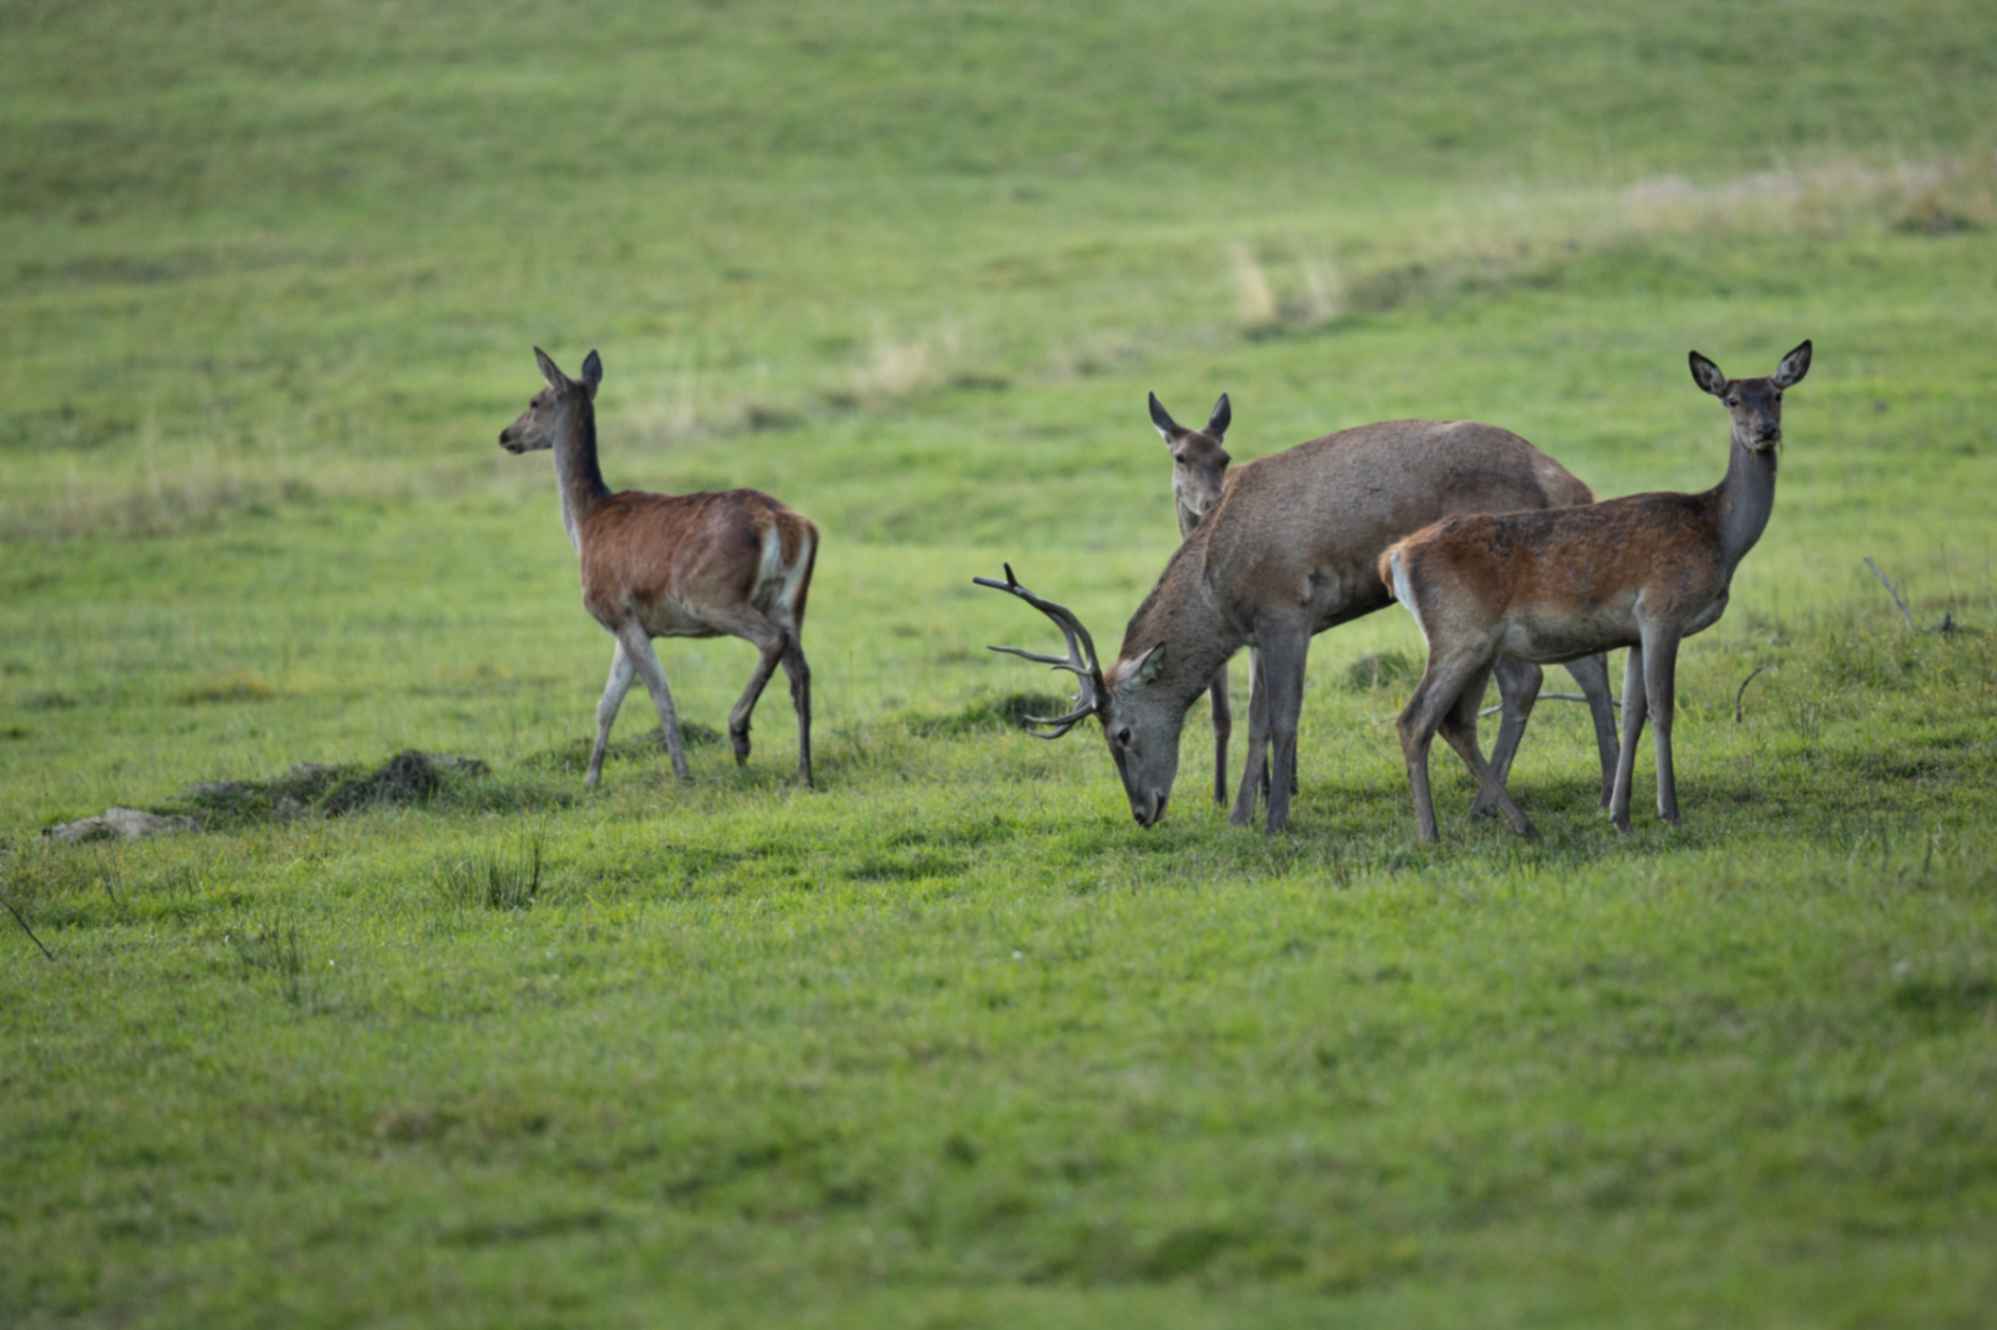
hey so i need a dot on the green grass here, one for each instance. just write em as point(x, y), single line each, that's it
point(951, 1041)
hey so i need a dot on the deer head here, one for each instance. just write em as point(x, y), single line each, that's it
point(1199, 463)
point(1140, 723)
point(541, 423)
point(1754, 404)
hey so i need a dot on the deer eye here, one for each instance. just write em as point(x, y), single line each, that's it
point(1123, 737)
point(1733, 401)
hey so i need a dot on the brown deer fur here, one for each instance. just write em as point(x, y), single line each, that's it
point(1288, 552)
point(729, 563)
point(1642, 572)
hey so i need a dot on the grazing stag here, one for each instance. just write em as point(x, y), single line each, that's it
point(729, 563)
point(1199, 469)
point(1643, 572)
point(1289, 551)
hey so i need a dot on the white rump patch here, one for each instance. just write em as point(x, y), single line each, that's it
point(1397, 561)
point(771, 569)
point(777, 583)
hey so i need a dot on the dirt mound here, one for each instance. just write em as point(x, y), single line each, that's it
point(410, 777)
point(117, 824)
point(294, 794)
point(1379, 669)
point(1006, 712)
point(307, 789)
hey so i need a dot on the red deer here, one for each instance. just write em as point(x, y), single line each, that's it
point(728, 563)
point(1199, 470)
point(1643, 572)
point(1288, 552)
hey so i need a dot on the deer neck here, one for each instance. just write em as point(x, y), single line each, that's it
point(1745, 499)
point(578, 478)
point(1183, 613)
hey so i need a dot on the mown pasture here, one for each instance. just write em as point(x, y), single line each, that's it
point(951, 1041)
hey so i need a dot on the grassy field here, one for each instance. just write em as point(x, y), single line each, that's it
point(950, 1041)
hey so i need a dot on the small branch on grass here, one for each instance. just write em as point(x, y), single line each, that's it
point(24, 927)
point(1550, 697)
point(1742, 690)
point(1892, 591)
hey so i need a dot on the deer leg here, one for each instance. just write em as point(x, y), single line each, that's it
point(1262, 767)
point(799, 672)
point(1660, 667)
point(1518, 689)
point(1592, 674)
point(638, 646)
point(621, 671)
point(1433, 698)
point(1223, 727)
point(770, 651)
point(1459, 728)
point(1282, 661)
point(1258, 740)
point(1265, 776)
point(1291, 773)
point(1633, 710)
point(771, 639)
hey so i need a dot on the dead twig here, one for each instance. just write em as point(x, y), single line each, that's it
point(24, 927)
point(1892, 591)
point(1742, 690)
point(1551, 697)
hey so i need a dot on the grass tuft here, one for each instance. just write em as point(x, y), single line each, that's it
point(494, 881)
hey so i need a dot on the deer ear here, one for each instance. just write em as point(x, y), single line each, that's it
point(1146, 667)
point(549, 369)
point(1161, 420)
point(1793, 367)
point(592, 372)
point(1223, 413)
point(1707, 375)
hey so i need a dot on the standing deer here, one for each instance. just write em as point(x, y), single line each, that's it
point(1199, 470)
point(734, 562)
point(1643, 572)
point(1289, 551)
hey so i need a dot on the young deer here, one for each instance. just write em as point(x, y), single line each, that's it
point(730, 563)
point(1199, 470)
point(1643, 572)
point(1288, 552)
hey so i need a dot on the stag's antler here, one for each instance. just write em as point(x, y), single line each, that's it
point(1080, 661)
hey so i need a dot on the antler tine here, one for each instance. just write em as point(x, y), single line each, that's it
point(1080, 660)
point(1081, 647)
point(1085, 707)
point(1058, 662)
